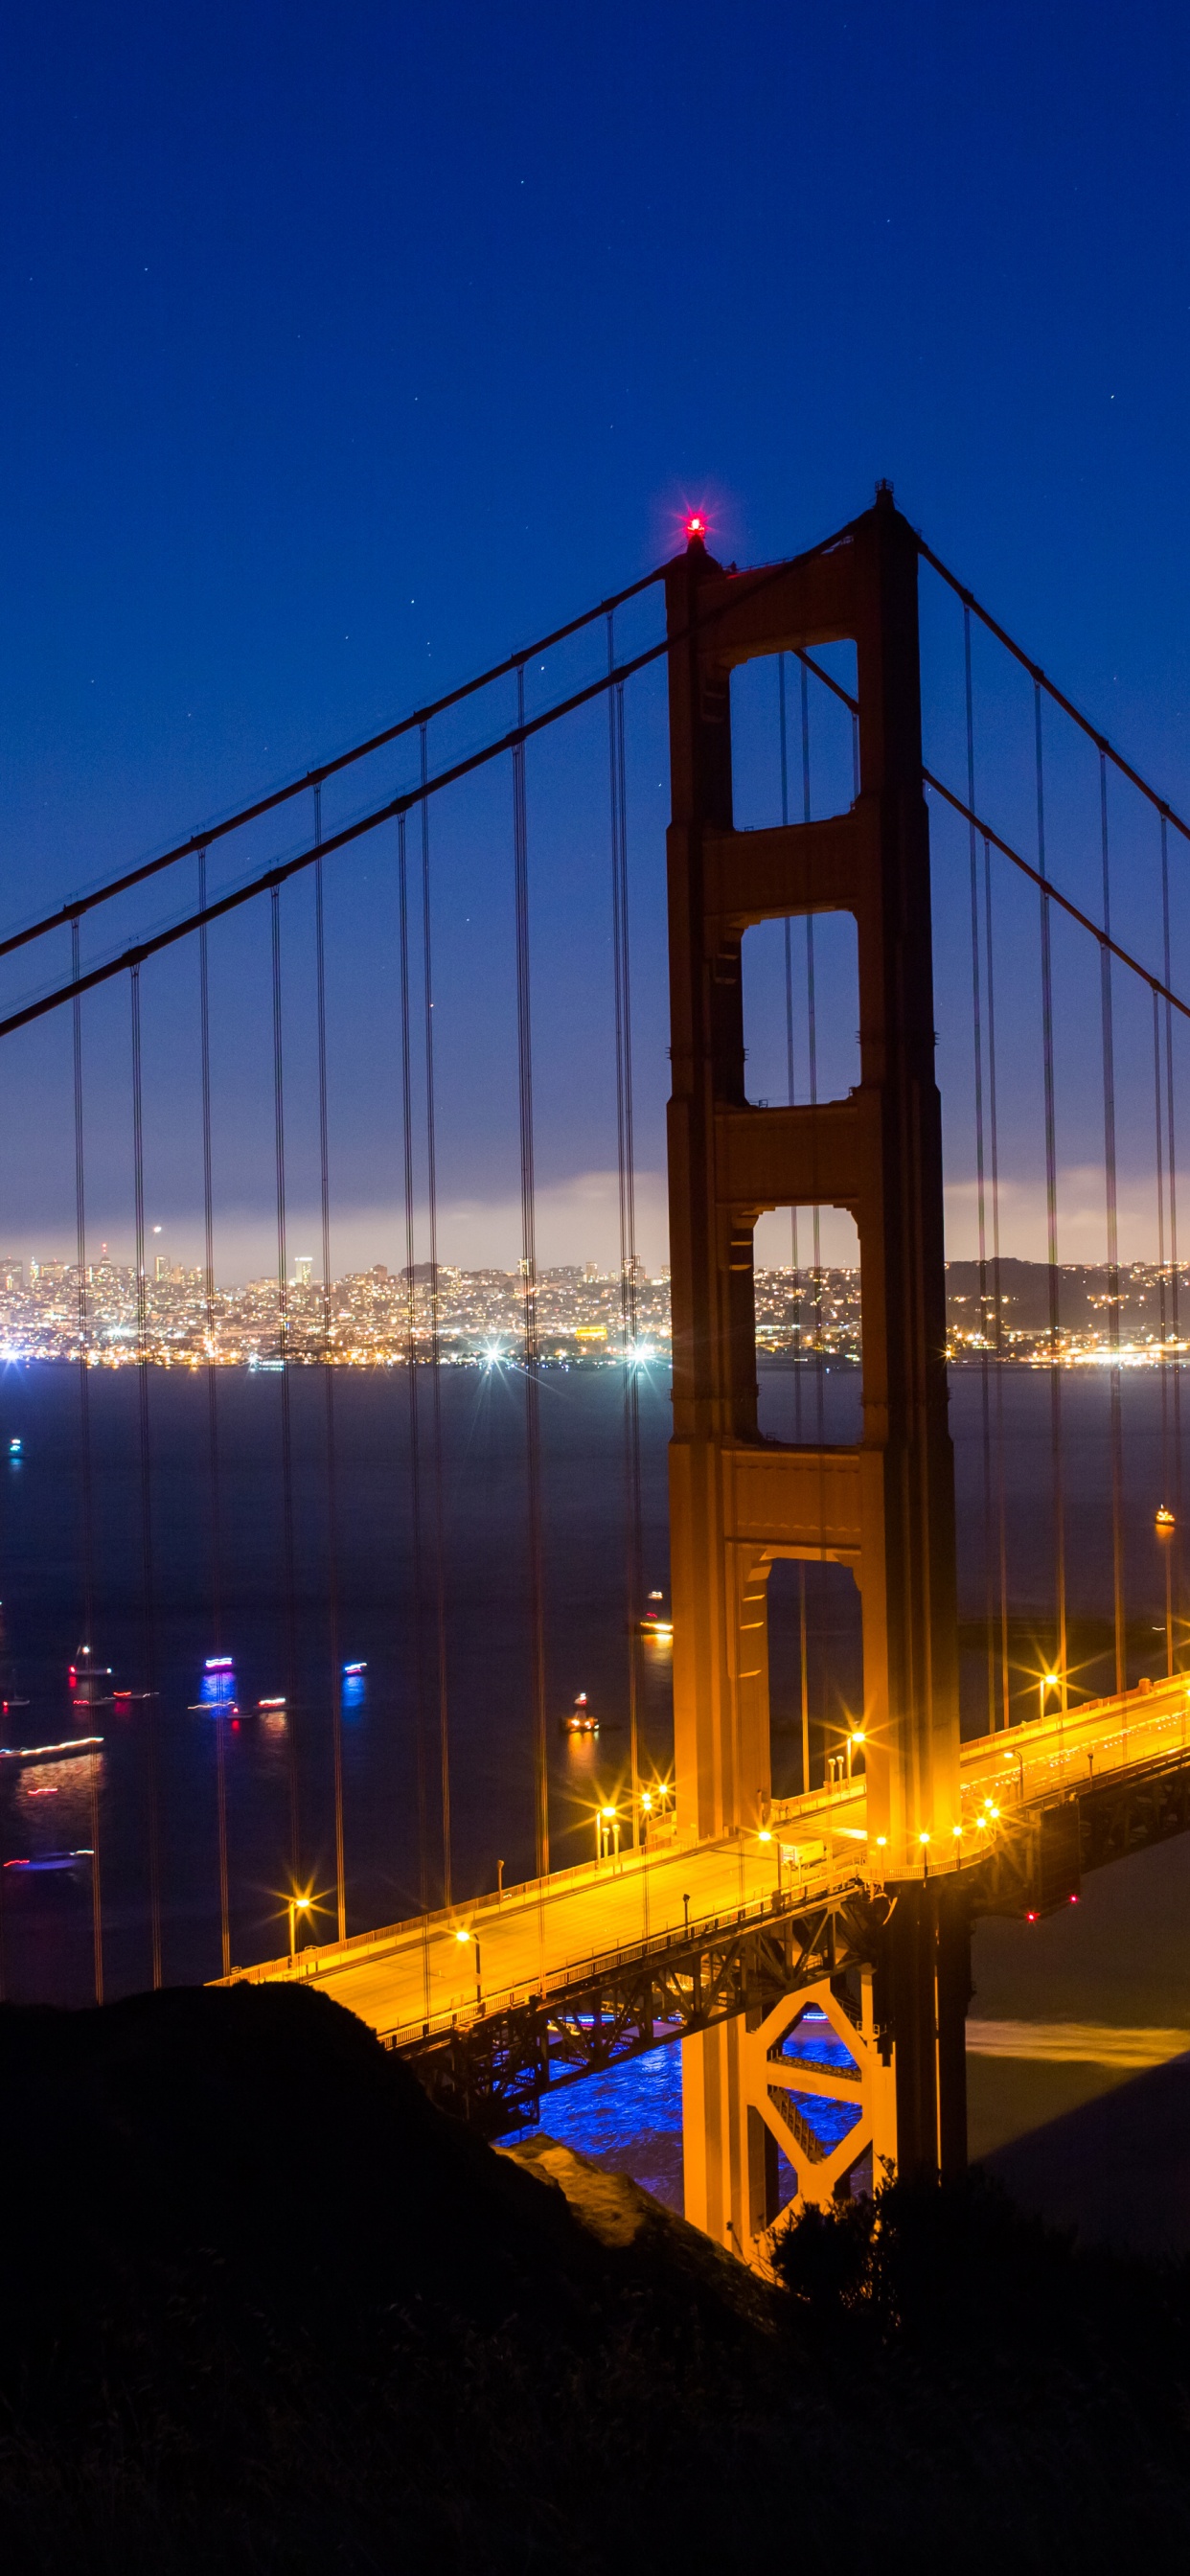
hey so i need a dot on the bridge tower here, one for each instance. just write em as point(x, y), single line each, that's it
point(738, 1501)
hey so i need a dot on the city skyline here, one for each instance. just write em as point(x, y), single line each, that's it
point(365, 1317)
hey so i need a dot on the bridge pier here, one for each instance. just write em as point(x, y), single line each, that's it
point(885, 1507)
point(890, 2056)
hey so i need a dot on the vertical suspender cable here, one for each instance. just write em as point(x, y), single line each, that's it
point(980, 1196)
point(1174, 1281)
point(1051, 1206)
point(812, 1026)
point(790, 1084)
point(435, 1340)
point(816, 1212)
point(208, 1203)
point(1162, 1280)
point(626, 1174)
point(791, 1094)
point(529, 1286)
point(1166, 1549)
point(328, 1381)
point(286, 1426)
point(149, 1657)
point(419, 1673)
point(1113, 1248)
point(998, 1299)
point(80, 1213)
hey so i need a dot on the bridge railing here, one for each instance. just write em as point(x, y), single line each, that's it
point(581, 1974)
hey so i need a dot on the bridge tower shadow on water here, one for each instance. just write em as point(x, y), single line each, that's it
point(884, 1507)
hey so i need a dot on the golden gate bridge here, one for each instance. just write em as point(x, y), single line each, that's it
point(720, 1911)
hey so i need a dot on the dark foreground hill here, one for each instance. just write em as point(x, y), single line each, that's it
point(261, 2308)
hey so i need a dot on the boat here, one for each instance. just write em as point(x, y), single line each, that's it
point(85, 1676)
point(50, 1752)
point(47, 1864)
point(582, 1719)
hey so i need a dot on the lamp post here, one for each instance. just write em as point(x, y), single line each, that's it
point(1048, 1682)
point(607, 1833)
point(465, 1937)
point(854, 1742)
point(1165, 1526)
point(297, 1905)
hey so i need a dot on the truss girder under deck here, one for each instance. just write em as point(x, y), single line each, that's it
point(493, 2070)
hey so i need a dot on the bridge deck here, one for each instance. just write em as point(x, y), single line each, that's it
point(418, 1975)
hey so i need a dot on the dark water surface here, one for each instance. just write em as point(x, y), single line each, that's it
point(269, 1606)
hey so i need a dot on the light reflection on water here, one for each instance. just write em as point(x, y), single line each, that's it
point(629, 2121)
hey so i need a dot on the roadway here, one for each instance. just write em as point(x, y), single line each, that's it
point(541, 1936)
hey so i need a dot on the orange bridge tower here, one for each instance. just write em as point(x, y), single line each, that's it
point(885, 1508)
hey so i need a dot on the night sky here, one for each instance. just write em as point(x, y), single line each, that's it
point(348, 348)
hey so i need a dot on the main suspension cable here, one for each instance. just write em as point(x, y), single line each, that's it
point(284, 869)
point(317, 776)
point(1042, 682)
point(149, 1698)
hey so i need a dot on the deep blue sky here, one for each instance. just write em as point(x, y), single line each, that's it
point(345, 347)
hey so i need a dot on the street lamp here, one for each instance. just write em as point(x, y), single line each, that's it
point(924, 1840)
point(607, 1824)
point(853, 1744)
point(297, 1905)
point(1048, 1682)
point(1165, 1526)
point(765, 1835)
point(464, 1936)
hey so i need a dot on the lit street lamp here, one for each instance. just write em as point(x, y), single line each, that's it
point(766, 1836)
point(607, 1825)
point(464, 1936)
point(297, 1905)
point(854, 1742)
point(1048, 1682)
point(1165, 1526)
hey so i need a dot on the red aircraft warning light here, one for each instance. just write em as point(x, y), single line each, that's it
point(696, 527)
